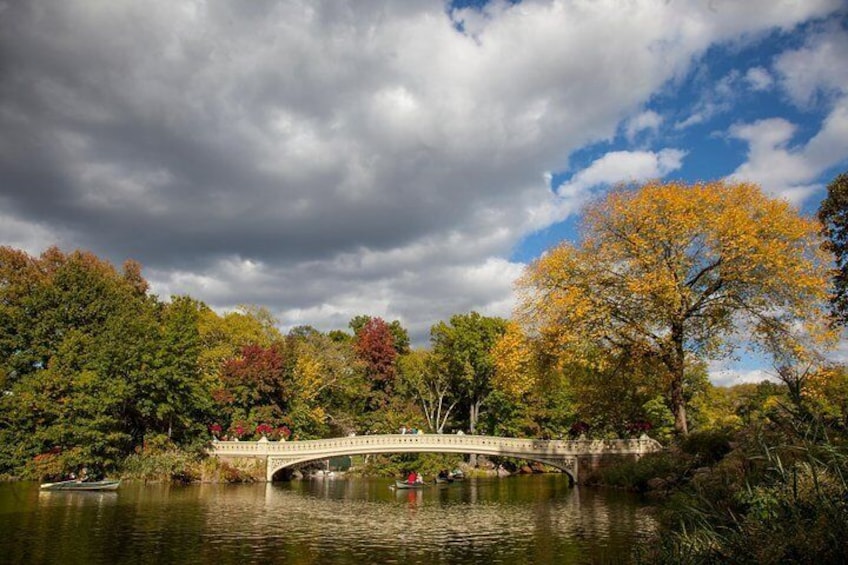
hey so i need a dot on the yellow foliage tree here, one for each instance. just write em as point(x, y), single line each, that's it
point(516, 365)
point(671, 270)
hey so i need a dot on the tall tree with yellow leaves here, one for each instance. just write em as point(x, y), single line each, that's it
point(671, 271)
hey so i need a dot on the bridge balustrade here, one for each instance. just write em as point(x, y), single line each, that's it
point(564, 454)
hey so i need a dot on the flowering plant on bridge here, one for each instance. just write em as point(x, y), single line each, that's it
point(215, 429)
point(264, 430)
point(578, 428)
point(238, 431)
point(638, 428)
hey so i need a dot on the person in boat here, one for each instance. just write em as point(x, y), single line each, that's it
point(412, 478)
point(443, 474)
point(419, 479)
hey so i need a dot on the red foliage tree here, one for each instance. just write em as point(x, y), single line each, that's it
point(255, 378)
point(374, 345)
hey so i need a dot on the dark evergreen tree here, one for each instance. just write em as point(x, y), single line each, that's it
point(833, 214)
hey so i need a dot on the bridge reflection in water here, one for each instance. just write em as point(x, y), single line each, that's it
point(568, 455)
point(537, 518)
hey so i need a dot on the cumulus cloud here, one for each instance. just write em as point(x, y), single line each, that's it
point(645, 121)
point(329, 158)
point(758, 79)
point(817, 70)
point(621, 167)
point(730, 377)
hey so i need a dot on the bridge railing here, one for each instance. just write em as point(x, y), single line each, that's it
point(406, 442)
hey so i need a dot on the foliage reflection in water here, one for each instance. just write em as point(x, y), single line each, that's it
point(537, 519)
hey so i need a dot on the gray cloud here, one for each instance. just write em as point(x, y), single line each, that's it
point(324, 158)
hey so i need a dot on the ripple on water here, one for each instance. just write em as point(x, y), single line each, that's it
point(532, 519)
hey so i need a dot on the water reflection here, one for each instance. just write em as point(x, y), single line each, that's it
point(538, 519)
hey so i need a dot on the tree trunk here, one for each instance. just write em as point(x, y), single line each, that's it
point(677, 366)
point(474, 413)
point(678, 406)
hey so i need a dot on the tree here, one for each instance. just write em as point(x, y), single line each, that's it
point(464, 347)
point(255, 380)
point(176, 398)
point(400, 336)
point(429, 384)
point(833, 214)
point(223, 337)
point(78, 342)
point(674, 271)
point(374, 346)
point(328, 382)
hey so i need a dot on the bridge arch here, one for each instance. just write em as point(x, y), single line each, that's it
point(566, 465)
point(565, 455)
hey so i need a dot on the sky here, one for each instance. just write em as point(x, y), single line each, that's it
point(403, 159)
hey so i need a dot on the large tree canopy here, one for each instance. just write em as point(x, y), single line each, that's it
point(669, 271)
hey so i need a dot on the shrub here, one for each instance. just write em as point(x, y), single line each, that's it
point(765, 502)
point(162, 464)
point(635, 475)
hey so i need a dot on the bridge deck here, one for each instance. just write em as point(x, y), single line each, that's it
point(559, 453)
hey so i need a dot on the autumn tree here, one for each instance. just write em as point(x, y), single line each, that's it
point(833, 214)
point(253, 382)
point(675, 272)
point(400, 337)
point(374, 346)
point(330, 389)
point(222, 337)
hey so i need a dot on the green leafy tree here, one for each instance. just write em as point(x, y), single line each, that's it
point(85, 334)
point(429, 385)
point(181, 403)
point(464, 348)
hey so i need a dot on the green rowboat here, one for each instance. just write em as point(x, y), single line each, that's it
point(82, 485)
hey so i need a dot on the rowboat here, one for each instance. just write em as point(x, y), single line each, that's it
point(444, 480)
point(405, 485)
point(76, 485)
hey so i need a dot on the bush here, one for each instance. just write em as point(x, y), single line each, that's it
point(162, 463)
point(635, 475)
point(766, 502)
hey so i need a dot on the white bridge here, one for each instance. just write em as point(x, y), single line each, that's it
point(567, 455)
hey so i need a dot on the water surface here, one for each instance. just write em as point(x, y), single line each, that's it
point(525, 519)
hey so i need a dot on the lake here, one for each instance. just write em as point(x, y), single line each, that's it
point(522, 519)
